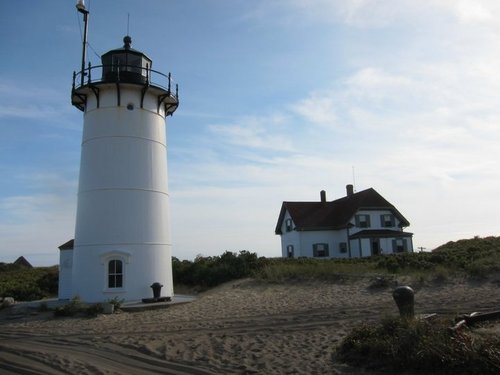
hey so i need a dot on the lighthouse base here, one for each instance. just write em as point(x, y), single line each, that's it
point(102, 273)
point(155, 300)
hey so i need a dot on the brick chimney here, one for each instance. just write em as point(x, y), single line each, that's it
point(350, 190)
point(322, 195)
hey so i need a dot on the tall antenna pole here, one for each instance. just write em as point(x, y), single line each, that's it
point(80, 6)
point(353, 178)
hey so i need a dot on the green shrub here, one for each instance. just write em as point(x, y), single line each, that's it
point(212, 271)
point(282, 269)
point(428, 347)
point(483, 267)
point(43, 307)
point(27, 284)
point(441, 274)
point(70, 309)
point(94, 310)
point(75, 307)
point(479, 256)
point(116, 302)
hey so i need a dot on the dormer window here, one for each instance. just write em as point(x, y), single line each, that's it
point(387, 220)
point(363, 221)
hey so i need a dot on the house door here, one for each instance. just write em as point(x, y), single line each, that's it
point(375, 247)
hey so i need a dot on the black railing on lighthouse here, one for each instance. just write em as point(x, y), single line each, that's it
point(119, 74)
point(122, 73)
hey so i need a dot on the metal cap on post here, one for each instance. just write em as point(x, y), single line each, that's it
point(404, 296)
point(80, 5)
point(156, 289)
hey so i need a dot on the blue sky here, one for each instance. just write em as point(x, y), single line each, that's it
point(279, 99)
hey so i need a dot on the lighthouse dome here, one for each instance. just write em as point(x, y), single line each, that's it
point(125, 64)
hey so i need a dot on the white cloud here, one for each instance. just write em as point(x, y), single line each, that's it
point(36, 103)
point(318, 109)
point(470, 11)
point(37, 221)
point(413, 107)
point(36, 225)
point(384, 12)
point(374, 81)
point(254, 132)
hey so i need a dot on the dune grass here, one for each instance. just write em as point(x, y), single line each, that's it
point(427, 347)
point(474, 258)
point(283, 270)
point(26, 284)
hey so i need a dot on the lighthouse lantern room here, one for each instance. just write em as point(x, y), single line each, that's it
point(122, 237)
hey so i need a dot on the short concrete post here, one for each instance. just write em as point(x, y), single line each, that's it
point(405, 300)
point(108, 308)
point(156, 289)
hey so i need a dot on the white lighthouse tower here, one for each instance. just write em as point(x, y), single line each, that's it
point(122, 238)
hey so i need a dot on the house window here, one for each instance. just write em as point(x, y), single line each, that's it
point(363, 221)
point(288, 224)
point(343, 247)
point(387, 221)
point(399, 245)
point(289, 251)
point(115, 274)
point(320, 250)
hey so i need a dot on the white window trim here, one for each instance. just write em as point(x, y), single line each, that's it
point(363, 218)
point(323, 247)
point(105, 259)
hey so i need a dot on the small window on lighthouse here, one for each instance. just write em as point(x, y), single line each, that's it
point(115, 274)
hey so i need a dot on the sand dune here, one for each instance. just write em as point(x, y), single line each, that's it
point(241, 327)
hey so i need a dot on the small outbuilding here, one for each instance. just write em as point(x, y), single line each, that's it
point(66, 269)
point(21, 261)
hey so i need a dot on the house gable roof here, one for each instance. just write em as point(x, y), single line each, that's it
point(21, 261)
point(69, 245)
point(335, 214)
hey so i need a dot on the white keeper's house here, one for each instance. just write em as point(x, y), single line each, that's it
point(360, 224)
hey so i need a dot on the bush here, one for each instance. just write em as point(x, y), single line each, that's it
point(429, 347)
point(465, 257)
point(27, 284)
point(70, 309)
point(483, 267)
point(441, 274)
point(75, 307)
point(303, 269)
point(212, 271)
point(43, 307)
point(116, 302)
point(94, 310)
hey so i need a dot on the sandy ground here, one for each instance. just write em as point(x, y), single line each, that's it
point(242, 327)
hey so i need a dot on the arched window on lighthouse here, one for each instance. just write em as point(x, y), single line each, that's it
point(115, 273)
point(114, 270)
